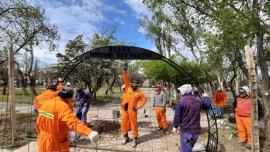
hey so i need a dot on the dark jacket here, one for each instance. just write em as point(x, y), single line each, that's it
point(84, 97)
point(187, 113)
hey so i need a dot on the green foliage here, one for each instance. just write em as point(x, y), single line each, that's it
point(161, 71)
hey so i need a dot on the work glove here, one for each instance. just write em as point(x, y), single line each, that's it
point(175, 130)
point(205, 94)
point(85, 104)
point(125, 66)
point(135, 108)
point(93, 136)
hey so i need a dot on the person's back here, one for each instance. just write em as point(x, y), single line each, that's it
point(49, 93)
point(54, 121)
point(191, 113)
point(187, 115)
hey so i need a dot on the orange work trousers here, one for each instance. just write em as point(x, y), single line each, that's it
point(125, 123)
point(161, 118)
point(244, 128)
point(129, 120)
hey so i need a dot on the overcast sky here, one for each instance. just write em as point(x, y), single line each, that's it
point(76, 17)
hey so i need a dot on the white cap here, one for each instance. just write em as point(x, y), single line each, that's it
point(68, 83)
point(246, 89)
point(186, 88)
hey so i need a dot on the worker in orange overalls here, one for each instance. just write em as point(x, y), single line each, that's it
point(159, 105)
point(54, 120)
point(220, 98)
point(133, 95)
point(50, 92)
point(124, 107)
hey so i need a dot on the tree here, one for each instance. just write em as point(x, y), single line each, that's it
point(228, 26)
point(92, 73)
point(25, 27)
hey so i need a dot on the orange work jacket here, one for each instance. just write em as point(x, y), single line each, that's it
point(220, 98)
point(133, 97)
point(53, 123)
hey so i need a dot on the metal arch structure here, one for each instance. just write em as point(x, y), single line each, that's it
point(136, 53)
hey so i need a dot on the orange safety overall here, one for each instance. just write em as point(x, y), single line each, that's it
point(243, 119)
point(53, 123)
point(220, 98)
point(132, 98)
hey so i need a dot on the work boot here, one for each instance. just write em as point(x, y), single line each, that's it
point(125, 140)
point(159, 128)
point(134, 143)
point(167, 132)
point(240, 143)
point(248, 146)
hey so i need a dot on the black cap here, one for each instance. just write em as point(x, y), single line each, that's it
point(51, 87)
point(66, 93)
point(79, 89)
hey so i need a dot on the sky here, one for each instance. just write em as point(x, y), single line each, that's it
point(86, 17)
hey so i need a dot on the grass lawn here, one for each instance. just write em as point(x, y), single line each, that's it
point(19, 98)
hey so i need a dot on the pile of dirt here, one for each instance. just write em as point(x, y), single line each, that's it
point(104, 126)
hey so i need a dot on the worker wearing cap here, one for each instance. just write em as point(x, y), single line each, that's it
point(51, 91)
point(54, 121)
point(68, 84)
point(159, 105)
point(242, 113)
point(187, 116)
point(220, 98)
point(133, 96)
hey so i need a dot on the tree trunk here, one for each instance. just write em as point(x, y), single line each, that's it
point(23, 85)
point(33, 85)
point(109, 89)
point(4, 91)
point(21, 79)
point(266, 143)
point(231, 84)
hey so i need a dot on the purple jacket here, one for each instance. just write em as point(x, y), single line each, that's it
point(84, 97)
point(187, 113)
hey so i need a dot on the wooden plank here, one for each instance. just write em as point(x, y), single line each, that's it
point(12, 93)
point(254, 101)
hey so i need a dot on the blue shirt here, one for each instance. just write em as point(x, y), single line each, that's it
point(84, 97)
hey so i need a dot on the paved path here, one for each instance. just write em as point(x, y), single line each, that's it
point(149, 139)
